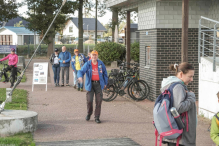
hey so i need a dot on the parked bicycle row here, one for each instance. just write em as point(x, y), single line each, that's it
point(125, 80)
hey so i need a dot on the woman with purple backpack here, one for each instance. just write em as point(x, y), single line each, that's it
point(184, 102)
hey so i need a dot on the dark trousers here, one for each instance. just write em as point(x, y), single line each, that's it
point(13, 73)
point(56, 71)
point(95, 89)
point(65, 71)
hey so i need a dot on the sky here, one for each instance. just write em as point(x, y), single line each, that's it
point(104, 20)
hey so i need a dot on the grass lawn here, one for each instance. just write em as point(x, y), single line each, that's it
point(19, 102)
point(3, 78)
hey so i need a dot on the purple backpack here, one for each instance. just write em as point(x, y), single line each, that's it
point(164, 122)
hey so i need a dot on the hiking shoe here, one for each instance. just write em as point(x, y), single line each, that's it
point(97, 121)
point(81, 89)
point(78, 89)
point(5, 81)
point(62, 85)
point(74, 86)
point(88, 117)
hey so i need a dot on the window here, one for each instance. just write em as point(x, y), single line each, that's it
point(6, 40)
point(71, 29)
point(147, 55)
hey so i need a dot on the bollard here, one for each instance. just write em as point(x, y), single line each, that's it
point(8, 90)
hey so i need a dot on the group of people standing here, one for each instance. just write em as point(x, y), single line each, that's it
point(96, 76)
point(62, 61)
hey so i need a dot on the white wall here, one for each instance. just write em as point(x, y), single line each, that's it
point(208, 88)
point(66, 30)
point(8, 32)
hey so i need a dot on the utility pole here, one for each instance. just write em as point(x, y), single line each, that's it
point(185, 25)
point(96, 24)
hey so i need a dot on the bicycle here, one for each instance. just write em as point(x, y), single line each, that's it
point(4, 70)
point(117, 85)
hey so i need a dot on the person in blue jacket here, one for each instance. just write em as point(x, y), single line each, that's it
point(77, 62)
point(96, 81)
point(65, 58)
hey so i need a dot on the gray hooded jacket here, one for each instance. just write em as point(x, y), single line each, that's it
point(183, 101)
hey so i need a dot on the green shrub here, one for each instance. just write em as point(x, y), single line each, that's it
point(110, 51)
point(135, 51)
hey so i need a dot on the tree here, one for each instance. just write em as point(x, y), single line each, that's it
point(45, 12)
point(8, 10)
point(19, 24)
point(88, 5)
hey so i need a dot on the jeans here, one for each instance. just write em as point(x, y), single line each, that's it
point(56, 71)
point(95, 89)
point(80, 85)
point(65, 70)
point(74, 78)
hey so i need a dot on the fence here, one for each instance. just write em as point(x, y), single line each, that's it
point(208, 42)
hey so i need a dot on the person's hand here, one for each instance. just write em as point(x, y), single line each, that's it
point(59, 59)
point(11, 66)
point(80, 80)
point(64, 61)
point(73, 70)
point(105, 87)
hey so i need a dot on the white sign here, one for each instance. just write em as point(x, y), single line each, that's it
point(40, 73)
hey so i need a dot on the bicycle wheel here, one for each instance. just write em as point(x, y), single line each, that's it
point(1, 74)
point(148, 91)
point(108, 93)
point(138, 90)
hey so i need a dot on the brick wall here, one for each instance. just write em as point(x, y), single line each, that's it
point(149, 74)
point(167, 51)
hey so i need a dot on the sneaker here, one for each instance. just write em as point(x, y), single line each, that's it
point(81, 89)
point(57, 85)
point(74, 86)
point(62, 85)
point(67, 85)
point(78, 89)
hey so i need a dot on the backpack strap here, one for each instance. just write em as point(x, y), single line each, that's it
point(171, 92)
point(178, 139)
point(217, 119)
point(156, 134)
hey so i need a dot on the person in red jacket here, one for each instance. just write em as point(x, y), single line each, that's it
point(12, 65)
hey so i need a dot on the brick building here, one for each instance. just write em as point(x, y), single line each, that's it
point(160, 27)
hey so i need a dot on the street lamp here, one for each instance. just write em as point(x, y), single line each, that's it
point(87, 30)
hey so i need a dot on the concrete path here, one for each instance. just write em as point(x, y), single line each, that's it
point(62, 112)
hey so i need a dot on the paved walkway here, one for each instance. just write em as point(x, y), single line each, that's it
point(62, 112)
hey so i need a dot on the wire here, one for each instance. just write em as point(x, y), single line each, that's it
point(19, 78)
